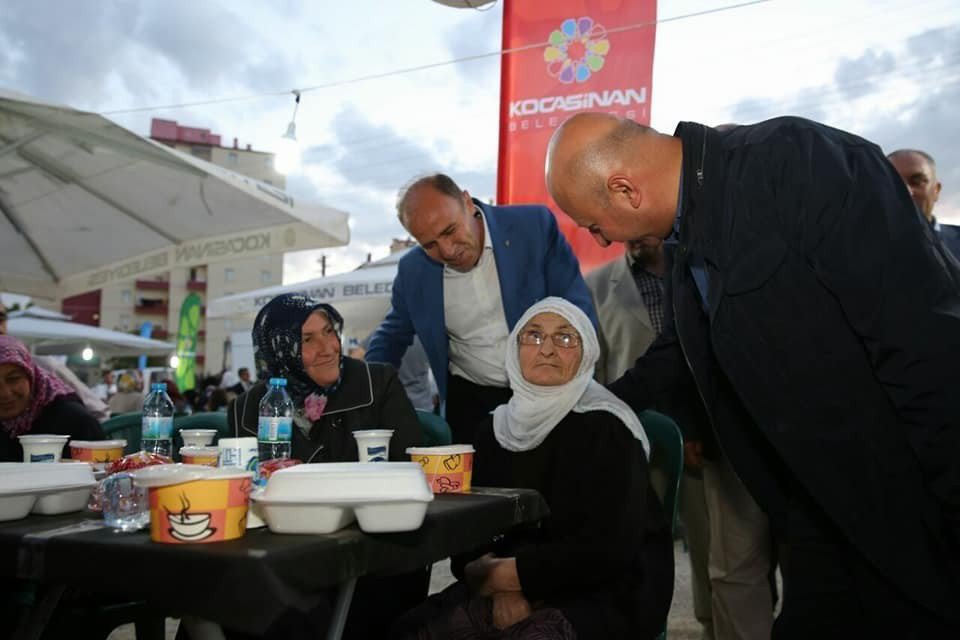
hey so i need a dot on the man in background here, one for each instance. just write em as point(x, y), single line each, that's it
point(919, 172)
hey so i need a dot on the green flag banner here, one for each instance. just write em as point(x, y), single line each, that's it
point(187, 342)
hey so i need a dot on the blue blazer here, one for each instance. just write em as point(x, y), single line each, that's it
point(533, 259)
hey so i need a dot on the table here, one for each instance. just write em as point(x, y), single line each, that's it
point(276, 571)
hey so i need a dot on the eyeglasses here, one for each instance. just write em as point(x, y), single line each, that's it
point(537, 338)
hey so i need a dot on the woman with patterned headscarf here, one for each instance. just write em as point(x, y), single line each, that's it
point(33, 401)
point(298, 338)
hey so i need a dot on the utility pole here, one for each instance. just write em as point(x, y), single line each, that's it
point(323, 265)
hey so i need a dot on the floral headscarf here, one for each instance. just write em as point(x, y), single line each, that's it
point(276, 347)
point(44, 386)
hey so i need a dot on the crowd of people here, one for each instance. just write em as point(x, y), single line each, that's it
point(783, 297)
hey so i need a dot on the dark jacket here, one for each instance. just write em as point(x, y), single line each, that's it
point(826, 356)
point(604, 555)
point(370, 396)
point(65, 415)
point(950, 236)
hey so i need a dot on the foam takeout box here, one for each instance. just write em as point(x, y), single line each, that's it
point(325, 497)
point(47, 489)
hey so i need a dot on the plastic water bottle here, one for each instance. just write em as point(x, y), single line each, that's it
point(275, 427)
point(157, 426)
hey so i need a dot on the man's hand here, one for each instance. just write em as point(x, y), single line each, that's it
point(509, 608)
point(693, 455)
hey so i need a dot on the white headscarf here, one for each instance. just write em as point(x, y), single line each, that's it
point(533, 410)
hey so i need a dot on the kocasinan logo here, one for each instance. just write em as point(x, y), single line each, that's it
point(576, 52)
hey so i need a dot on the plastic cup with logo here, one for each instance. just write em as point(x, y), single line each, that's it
point(98, 452)
point(373, 445)
point(126, 507)
point(448, 469)
point(208, 456)
point(42, 447)
point(198, 437)
point(239, 452)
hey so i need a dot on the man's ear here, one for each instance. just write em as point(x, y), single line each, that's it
point(621, 187)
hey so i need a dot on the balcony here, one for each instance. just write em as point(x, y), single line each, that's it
point(152, 308)
point(153, 285)
point(202, 334)
point(196, 285)
point(159, 333)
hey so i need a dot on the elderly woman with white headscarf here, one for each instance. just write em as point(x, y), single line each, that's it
point(601, 565)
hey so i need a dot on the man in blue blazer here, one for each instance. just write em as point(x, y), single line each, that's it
point(477, 269)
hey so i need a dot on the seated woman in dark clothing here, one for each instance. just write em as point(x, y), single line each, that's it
point(34, 401)
point(297, 338)
point(601, 565)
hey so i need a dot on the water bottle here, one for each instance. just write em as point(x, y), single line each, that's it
point(157, 426)
point(275, 427)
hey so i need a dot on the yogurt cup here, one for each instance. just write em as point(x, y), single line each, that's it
point(373, 445)
point(42, 447)
point(197, 437)
point(98, 452)
point(209, 456)
point(448, 469)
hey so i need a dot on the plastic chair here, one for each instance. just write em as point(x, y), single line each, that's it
point(667, 441)
point(434, 429)
point(127, 426)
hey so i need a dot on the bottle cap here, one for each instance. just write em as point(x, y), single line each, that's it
point(158, 386)
point(278, 382)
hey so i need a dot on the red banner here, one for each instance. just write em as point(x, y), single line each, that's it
point(567, 56)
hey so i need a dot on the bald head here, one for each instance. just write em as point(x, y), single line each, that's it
point(584, 150)
point(613, 174)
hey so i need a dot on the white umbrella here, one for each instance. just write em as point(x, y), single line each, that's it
point(361, 296)
point(84, 202)
point(39, 312)
point(56, 337)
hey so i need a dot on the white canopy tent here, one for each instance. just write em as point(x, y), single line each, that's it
point(85, 202)
point(362, 296)
point(57, 337)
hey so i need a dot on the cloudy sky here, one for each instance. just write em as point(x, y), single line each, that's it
point(886, 69)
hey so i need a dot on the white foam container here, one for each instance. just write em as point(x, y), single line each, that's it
point(325, 497)
point(47, 489)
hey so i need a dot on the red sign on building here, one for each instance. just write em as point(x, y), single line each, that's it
point(564, 57)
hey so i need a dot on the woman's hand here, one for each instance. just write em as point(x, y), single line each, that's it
point(488, 574)
point(476, 573)
point(509, 608)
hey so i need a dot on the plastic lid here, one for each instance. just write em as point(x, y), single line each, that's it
point(43, 438)
point(98, 444)
point(447, 450)
point(162, 475)
point(278, 382)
